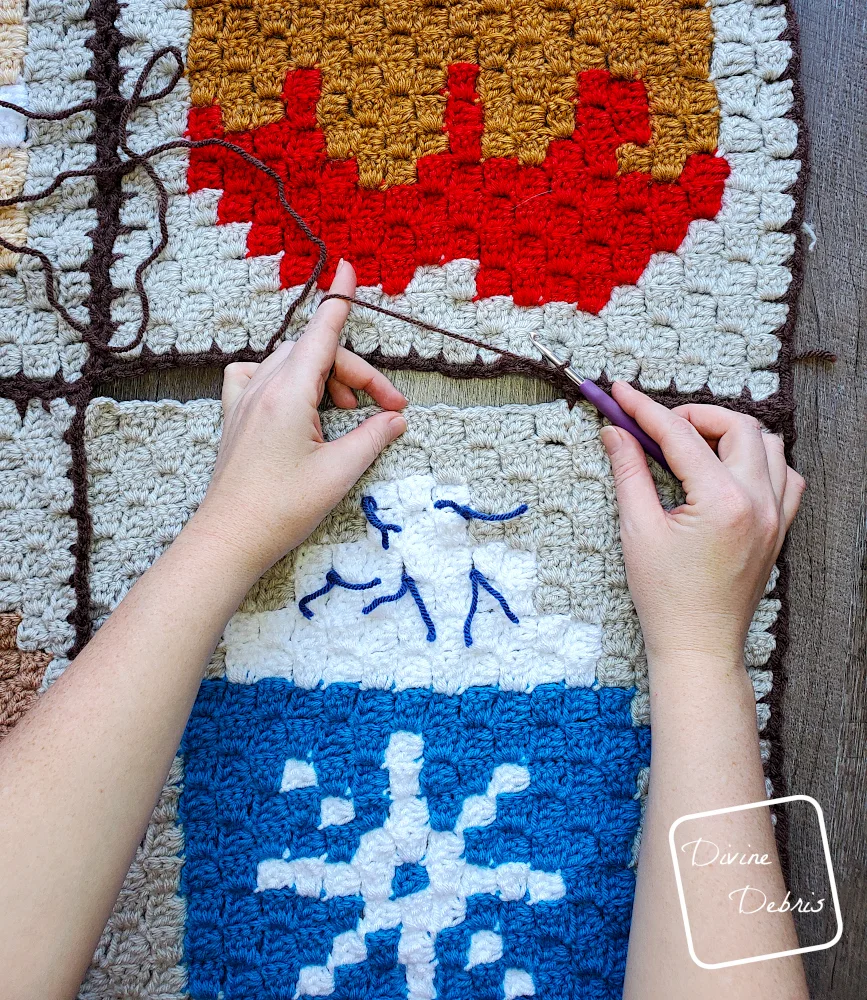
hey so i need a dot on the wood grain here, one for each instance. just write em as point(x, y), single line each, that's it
point(424, 388)
point(825, 702)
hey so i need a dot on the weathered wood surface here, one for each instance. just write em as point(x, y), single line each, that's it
point(825, 703)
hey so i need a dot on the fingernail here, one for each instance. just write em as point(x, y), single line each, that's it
point(340, 264)
point(611, 439)
point(398, 423)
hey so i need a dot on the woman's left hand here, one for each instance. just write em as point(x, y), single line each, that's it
point(276, 477)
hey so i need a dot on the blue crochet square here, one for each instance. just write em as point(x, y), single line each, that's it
point(531, 796)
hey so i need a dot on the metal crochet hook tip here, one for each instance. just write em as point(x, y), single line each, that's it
point(605, 404)
point(551, 357)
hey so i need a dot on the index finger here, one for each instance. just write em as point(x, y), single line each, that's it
point(314, 351)
point(685, 450)
point(317, 345)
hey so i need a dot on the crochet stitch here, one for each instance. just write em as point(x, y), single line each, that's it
point(20, 674)
point(289, 743)
point(369, 506)
point(407, 586)
point(150, 464)
point(528, 57)
point(13, 154)
point(703, 316)
point(592, 231)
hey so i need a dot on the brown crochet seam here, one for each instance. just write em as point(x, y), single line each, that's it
point(777, 662)
point(777, 411)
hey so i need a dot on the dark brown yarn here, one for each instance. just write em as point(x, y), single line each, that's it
point(80, 618)
point(509, 363)
point(114, 136)
point(113, 114)
point(785, 414)
point(816, 354)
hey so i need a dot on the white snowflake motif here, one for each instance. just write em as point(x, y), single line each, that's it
point(406, 838)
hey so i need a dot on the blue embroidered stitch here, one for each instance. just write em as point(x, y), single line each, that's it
point(406, 584)
point(333, 579)
point(370, 506)
point(467, 513)
point(476, 579)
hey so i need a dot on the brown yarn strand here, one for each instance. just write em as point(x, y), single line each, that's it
point(518, 360)
point(135, 159)
point(140, 159)
point(520, 364)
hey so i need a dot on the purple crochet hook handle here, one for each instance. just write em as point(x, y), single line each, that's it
point(609, 407)
point(605, 404)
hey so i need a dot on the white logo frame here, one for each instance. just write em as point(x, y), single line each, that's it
point(778, 954)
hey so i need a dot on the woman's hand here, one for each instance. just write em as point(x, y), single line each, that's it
point(696, 573)
point(276, 478)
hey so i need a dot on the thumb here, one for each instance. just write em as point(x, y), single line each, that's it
point(354, 452)
point(636, 493)
point(236, 378)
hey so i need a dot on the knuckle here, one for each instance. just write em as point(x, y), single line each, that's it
point(738, 508)
point(758, 519)
point(627, 471)
point(681, 427)
point(677, 431)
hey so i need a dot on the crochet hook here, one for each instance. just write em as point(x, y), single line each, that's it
point(605, 404)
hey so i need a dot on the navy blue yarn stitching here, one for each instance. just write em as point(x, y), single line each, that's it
point(370, 506)
point(406, 584)
point(477, 578)
point(467, 513)
point(333, 579)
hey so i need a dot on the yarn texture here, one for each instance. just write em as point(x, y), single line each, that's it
point(418, 762)
point(292, 740)
point(701, 309)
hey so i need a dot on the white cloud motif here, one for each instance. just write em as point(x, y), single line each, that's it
point(391, 646)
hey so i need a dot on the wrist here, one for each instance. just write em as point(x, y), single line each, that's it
point(696, 640)
point(221, 553)
point(684, 663)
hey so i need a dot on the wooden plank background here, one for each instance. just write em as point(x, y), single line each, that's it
point(825, 703)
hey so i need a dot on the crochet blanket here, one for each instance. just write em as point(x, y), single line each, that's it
point(417, 766)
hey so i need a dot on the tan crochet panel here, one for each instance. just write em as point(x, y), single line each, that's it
point(384, 63)
point(20, 674)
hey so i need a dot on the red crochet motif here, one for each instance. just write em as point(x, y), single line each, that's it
point(569, 230)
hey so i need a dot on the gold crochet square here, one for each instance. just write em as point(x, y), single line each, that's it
point(384, 65)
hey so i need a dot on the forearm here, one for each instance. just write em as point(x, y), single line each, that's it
point(705, 756)
point(81, 773)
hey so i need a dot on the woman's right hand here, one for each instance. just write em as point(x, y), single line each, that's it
point(696, 573)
